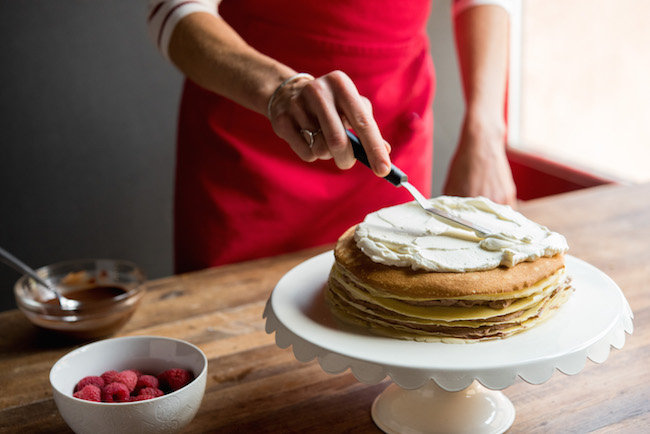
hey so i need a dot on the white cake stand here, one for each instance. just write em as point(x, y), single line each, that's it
point(440, 387)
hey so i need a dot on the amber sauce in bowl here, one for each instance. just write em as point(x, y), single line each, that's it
point(109, 292)
point(91, 295)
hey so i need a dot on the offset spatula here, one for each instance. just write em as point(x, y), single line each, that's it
point(399, 179)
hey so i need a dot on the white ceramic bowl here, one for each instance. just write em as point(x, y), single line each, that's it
point(149, 354)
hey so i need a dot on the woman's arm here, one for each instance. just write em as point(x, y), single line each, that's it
point(479, 165)
point(208, 51)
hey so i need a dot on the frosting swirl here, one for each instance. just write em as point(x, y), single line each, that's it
point(407, 236)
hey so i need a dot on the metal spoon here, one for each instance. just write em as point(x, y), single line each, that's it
point(18, 265)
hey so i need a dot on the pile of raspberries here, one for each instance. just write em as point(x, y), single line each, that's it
point(130, 385)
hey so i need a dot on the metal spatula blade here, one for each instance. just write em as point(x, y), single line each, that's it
point(400, 179)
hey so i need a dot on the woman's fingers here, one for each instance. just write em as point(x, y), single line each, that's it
point(358, 113)
point(313, 115)
point(287, 128)
point(321, 98)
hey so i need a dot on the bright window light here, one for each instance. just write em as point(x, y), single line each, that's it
point(580, 89)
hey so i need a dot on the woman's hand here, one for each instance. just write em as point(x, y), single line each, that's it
point(327, 106)
point(208, 51)
point(480, 166)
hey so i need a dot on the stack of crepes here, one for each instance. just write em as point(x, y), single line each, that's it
point(407, 274)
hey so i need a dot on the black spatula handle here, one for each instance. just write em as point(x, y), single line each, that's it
point(395, 177)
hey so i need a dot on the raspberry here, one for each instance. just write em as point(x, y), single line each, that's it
point(154, 392)
point(115, 392)
point(109, 377)
point(90, 392)
point(146, 381)
point(174, 379)
point(95, 381)
point(130, 385)
point(128, 378)
point(147, 393)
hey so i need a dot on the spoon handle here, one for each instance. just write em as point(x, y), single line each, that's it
point(19, 266)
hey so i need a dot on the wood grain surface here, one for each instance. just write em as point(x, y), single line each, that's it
point(254, 386)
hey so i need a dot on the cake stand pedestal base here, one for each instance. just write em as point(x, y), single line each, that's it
point(431, 409)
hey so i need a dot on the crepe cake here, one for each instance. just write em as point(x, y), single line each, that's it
point(406, 274)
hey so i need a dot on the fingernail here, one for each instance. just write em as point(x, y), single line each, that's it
point(383, 169)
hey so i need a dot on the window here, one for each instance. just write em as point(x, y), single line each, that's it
point(580, 85)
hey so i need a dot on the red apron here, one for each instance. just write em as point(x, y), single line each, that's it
point(241, 193)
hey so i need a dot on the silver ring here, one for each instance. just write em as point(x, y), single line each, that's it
point(309, 136)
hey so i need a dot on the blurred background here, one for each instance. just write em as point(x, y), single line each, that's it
point(87, 122)
point(88, 117)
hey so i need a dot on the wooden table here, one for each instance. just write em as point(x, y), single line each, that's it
point(254, 386)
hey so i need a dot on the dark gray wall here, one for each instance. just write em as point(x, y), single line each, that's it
point(87, 125)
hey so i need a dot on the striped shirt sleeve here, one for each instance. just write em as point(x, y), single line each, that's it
point(163, 15)
point(462, 5)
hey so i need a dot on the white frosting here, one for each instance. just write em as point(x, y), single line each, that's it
point(407, 236)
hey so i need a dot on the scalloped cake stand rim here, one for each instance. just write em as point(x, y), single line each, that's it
point(595, 318)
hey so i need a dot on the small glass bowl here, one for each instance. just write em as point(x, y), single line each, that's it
point(99, 314)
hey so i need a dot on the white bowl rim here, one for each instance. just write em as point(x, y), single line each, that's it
point(127, 338)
